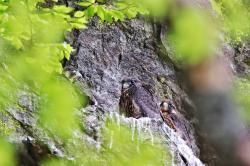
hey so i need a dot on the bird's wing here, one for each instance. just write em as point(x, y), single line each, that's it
point(136, 111)
point(126, 104)
point(167, 119)
point(176, 120)
point(180, 124)
point(145, 101)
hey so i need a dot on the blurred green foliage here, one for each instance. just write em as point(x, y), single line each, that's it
point(235, 18)
point(242, 96)
point(25, 29)
point(118, 149)
point(61, 110)
point(6, 154)
point(111, 10)
point(118, 10)
point(33, 44)
point(194, 36)
point(121, 149)
point(32, 48)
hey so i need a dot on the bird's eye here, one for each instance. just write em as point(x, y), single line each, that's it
point(171, 106)
point(125, 85)
point(132, 82)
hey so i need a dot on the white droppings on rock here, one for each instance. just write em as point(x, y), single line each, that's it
point(111, 140)
point(133, 128)
point(177, 146)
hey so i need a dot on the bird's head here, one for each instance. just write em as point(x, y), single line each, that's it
point(126, 84)
point(167, 106)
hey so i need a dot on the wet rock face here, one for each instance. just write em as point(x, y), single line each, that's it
point(242, 59)
point(182, 155)
point(108, 54)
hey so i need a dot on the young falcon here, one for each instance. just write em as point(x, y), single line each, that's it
point(173, 119)
point(167, 108)
point(137, 100)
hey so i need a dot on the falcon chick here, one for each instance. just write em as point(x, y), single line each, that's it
point(137, 100)
point(173, 119)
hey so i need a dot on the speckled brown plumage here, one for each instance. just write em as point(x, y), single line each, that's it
point(137, 101)
point(127, 104)
point(173, 118)
point(167, 119)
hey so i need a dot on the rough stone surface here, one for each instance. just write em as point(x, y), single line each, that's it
point(104, 56)
point(107, 54)
point(242, 59)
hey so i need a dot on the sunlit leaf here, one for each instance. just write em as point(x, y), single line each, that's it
point(91, 1)
point(131, 13)
point(78, 14)
point(90, 11)
point(3, 8)
point(108, 16)
point(118, 15)
point(100, 12)
point(84, 4)
point(62, 9)
point(59, 104)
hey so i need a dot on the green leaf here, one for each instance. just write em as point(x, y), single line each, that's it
point(143, 11)
point(15, 41)
point(121, 5)
point(91, 1)
point(84, 4)
point(131, 13)
point(82, 20)
point(79, 14)
point(67, 50)
point(90, 11)
point(62, 9)
point(3, 8)
point(118, 15)
point(109, 17)
point(62, 15)
point(101, 12)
